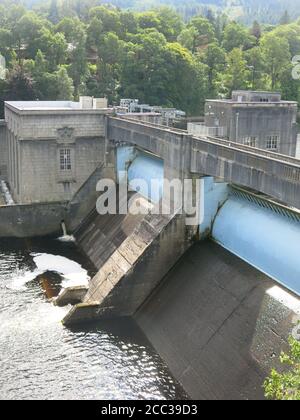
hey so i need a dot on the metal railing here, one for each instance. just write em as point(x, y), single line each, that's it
point(200, 129)
point(151, 125)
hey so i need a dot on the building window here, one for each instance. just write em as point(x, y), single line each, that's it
point(65, 160)
point(272, 142)
point(250, 141)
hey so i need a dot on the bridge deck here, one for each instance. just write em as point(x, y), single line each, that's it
point(273, 174)
point(223, 142)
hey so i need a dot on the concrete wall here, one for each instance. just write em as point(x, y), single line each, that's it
point(215, 195)
point(3, 150)
point(44, 124)
point(219, 324)
point(30, 220)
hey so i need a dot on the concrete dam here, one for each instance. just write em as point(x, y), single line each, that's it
point(216, 288)
point(217, 299)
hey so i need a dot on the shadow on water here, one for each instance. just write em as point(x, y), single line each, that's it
point(127, 336)
point(50, 245)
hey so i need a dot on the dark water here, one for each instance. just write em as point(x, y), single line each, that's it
point(40, 359)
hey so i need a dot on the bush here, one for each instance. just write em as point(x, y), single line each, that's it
point(286, 386)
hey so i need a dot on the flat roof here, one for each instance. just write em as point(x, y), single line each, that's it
point(232, 102)
point(255, 92)
point(44, 105)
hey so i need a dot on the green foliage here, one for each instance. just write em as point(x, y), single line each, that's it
point(237, 36)
point(64, 48)
point(277, 56)
point(286, 386)
point(237, 74)
point(215, 59)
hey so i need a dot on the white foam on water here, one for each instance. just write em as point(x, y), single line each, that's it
point(19, 282)
point(73, 274)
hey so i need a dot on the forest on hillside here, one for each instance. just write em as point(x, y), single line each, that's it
point(245, 11)
point(69, 48)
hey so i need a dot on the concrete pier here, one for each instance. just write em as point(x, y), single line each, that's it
point(134, 270)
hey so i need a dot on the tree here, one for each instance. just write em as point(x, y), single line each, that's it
point(105, 80)
point(129, 24)
point(54, 46)
point(215, 59)
point(3, 90)
point(204, 30)
point(109, 16)
point(65, 86)
point(40, 64)
point(6, 43)
point(170, 23)
point(78, 67)
point(75, 34)
point(276, 54)
point(95, 33)
point(256, 30)
point(163, 73)
point(286, 386)
point(143, 71)
point(187, 38)
point(285, 18)
point(256, 64)
point(289, 87)
point(236, 36)
point(185, 86)
point(221, 21)
point(53, 13)
point(72, 28)
point(29, 27)
point(237, 74)
point(149, 20)
point(291, 33)
point(20, 86)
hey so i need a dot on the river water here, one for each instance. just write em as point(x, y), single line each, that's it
point(40, 359)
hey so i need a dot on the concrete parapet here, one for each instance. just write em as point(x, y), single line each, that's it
point(30, 220)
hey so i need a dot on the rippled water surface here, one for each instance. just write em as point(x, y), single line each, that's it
point(40, 359)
